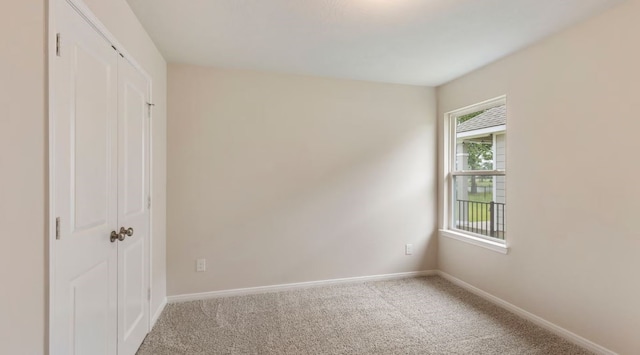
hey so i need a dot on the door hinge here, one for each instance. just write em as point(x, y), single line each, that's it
point(150, 105)
point(149, 294)
point(57, 44)
point(57, 228)
point(149, 202)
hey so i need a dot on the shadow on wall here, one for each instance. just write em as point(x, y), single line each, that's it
point(279, 179)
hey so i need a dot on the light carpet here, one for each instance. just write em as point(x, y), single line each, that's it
point(426, 315)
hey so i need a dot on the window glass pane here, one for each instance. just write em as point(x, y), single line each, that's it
point(479, 205)
point(480, 140)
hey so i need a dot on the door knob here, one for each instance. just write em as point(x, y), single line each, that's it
point(126, 232)
point(116, 236)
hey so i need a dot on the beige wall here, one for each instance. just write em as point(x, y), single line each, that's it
point(23, 180)
point(573, 186)
point(24, 156)
point(279, 178)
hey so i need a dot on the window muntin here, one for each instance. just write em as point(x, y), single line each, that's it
point(477, 170)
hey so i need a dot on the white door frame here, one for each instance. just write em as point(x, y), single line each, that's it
point(85, 12)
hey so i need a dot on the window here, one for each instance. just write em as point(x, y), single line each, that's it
point(475, 163)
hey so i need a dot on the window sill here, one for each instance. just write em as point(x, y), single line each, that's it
point(484, 243)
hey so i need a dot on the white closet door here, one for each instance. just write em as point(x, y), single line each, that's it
point(133, 212)
point(85, 179)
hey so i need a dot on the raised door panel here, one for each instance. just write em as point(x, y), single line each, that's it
point(91, 323)
point(133, 140)
point(91, 139)
point(133, 288)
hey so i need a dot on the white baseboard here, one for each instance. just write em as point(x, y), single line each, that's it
point(556, 329)
point(158, 312)
point(294, 286)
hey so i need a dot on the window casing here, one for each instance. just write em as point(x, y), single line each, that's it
point(475, 167)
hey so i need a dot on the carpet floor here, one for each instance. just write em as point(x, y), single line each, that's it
point(426, 315)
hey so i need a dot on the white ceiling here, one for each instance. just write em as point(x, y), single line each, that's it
point(421, 42)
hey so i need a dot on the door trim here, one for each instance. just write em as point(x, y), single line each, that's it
point(51, 27)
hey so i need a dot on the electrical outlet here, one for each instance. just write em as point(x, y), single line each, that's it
point(201, 265)
point(408, 249)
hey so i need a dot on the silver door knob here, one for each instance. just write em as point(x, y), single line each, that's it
point(116, 236)
point(126, 232)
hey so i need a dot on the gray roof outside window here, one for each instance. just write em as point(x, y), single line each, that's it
point(495, 116)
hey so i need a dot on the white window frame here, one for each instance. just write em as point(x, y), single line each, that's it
point(449, 155)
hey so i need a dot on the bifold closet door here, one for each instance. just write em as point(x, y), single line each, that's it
point(85, 173)
point(133, 208)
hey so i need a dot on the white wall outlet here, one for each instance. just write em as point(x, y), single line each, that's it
point(201, 265)
point(408, 249)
